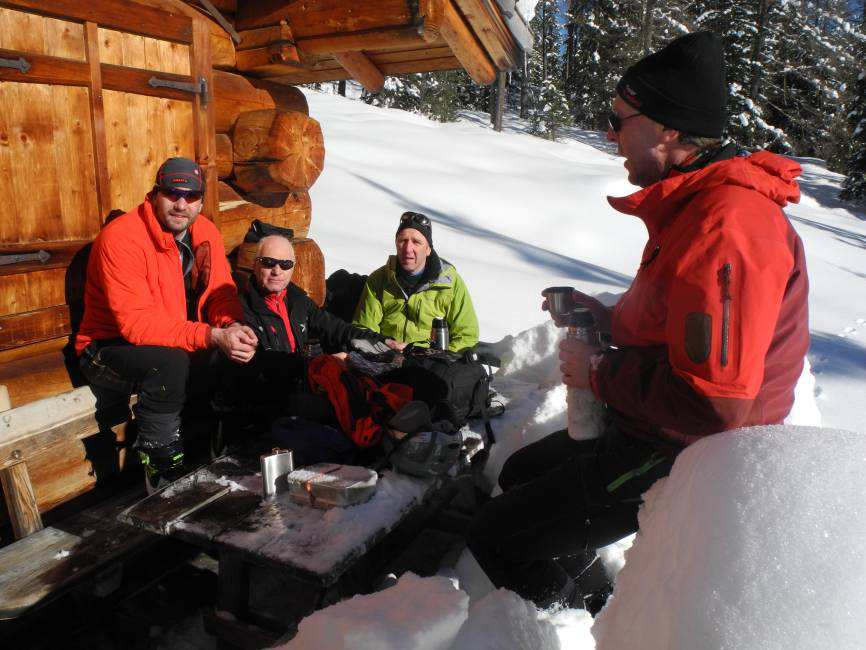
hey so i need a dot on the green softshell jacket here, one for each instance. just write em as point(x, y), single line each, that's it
point(385, 308)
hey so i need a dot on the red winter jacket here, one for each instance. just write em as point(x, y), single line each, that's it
point(135, 287)
point(713, 331)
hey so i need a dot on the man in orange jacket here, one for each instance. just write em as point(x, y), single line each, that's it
point(159, 289)
point(710, 336)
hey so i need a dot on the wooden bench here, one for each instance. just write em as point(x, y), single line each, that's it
point(219, 509)
point(86, 549)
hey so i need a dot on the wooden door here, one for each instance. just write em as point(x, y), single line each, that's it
point(85, 120)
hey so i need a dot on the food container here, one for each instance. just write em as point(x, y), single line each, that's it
point(328, 485)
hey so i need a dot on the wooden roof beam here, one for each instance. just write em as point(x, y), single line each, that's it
point(362, 70)
point(441, 18)
point(486, 21)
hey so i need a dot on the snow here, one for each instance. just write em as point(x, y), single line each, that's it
point(755, 540)
point(415, 614)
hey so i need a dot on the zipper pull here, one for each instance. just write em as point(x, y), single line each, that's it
point(649, 260)
point(724, 278)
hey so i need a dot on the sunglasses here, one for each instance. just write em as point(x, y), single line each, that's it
point(614, 121)
point(176, 195)
point(414, 218)
point(271, 262)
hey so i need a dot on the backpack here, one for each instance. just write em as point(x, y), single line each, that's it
point(455, 386)
point(343, 292)
point(361, 404)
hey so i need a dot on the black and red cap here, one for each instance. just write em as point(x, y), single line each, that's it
point(180, 174)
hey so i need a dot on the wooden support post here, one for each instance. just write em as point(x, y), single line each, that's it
point(203, 115)
point(97, 121)
point(20, 500)
point(362, 69)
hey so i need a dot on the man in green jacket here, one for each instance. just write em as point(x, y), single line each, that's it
point(401, 299)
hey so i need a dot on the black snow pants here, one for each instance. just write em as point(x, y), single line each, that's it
point(160, 375)
point(561, 498)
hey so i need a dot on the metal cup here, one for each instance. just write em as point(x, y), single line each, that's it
point(275, 466)
point(560, 302)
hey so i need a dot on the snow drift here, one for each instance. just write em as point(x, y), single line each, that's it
point(755, 540)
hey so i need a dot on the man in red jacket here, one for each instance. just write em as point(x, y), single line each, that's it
point(710, 336)
point(159, 289)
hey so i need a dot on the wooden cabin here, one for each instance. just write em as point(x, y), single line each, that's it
point(95, 94)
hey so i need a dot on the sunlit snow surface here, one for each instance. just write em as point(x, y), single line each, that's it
point(754, 541)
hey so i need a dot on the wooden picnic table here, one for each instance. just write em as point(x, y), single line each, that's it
point(219, 508)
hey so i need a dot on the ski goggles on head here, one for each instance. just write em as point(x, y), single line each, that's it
point(271, 262)
point(415, 218)
point(176, 195)
point(614, 121)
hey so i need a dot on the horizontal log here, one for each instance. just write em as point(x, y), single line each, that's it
point(234, 94)
point(362, 70)
point(135, 17)
point(262, 57)
point(34, 326)
point(236, 214)
point(225, 155)
point(388, 69)
point(264, 36)
point(313, 17)
point(272, 134)
point(393, 38)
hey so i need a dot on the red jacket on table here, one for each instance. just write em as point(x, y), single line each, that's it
point(135, 287)
point(712, 333)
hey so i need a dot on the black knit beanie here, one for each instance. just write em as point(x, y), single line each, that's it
point(419, 222)
point(682, 86)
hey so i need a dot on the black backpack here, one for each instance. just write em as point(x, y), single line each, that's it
point(343, 292)
point(455, 386)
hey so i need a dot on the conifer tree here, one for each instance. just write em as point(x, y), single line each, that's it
point(551, 112)
point(854, 186)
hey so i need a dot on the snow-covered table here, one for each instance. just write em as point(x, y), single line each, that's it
point(219, 508)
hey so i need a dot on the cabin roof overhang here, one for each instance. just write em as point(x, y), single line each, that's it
point(305, 41)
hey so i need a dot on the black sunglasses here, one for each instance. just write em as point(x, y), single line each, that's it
point(414, 217)
point(271, 262)
point(614, 121)
point(176, 195)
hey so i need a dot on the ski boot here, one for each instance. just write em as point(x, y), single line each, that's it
point(162, 465)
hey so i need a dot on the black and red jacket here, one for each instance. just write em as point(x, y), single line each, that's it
point(712, 333)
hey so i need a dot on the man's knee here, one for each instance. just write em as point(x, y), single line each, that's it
point(166, 379)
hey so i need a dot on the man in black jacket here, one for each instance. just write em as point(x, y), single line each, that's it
point(284, 319)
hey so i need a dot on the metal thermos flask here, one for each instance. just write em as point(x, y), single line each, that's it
point(275, 465)
point(582, 326)
point(439, 337)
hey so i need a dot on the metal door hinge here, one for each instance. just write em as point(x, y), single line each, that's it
point(19, 64)
point(199, 88)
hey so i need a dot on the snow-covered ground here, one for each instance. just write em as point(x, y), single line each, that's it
point(516, 214)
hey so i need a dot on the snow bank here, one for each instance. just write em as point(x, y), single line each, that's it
point(504, 620)
point(755, 540)
point(415, 614)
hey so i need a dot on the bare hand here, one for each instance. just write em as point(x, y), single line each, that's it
point(342, 356)
point(600, 312)
point(575, 355)
point(238, 342)
point(395, 345)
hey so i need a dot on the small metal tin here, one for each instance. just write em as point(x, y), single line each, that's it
point(276, 466)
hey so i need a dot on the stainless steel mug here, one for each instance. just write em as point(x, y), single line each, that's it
point(439, 335)
point(560, 302)
point(275, 466)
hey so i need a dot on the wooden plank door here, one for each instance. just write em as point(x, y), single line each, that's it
point(82, 132)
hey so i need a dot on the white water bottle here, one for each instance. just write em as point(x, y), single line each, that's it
point(584, 412)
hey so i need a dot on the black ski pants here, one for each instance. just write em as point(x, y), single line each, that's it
point(561, 498)
point(159, 375)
